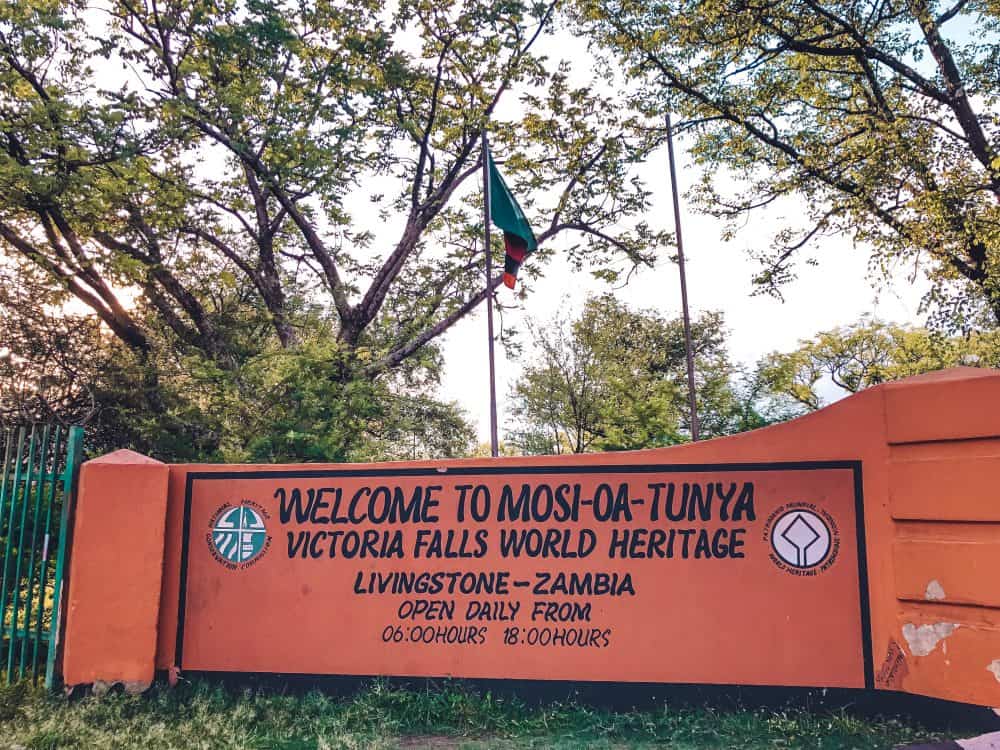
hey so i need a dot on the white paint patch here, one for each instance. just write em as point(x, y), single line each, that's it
point(923, 638)
point(934, 592)
point(994, 667)
point(989, 741)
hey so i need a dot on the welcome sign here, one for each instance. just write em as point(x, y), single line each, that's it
point(648, 573)
point(854, 547)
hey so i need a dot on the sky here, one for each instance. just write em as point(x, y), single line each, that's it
point(836, 292)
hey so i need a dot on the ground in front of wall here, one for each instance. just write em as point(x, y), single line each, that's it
point(438, 717)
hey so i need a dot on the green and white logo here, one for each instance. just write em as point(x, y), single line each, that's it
point(238, 536)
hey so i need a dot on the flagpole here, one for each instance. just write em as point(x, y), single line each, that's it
point(689, 354)
point(494, 444)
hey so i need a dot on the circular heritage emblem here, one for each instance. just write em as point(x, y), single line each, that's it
point(238, 535)
point(804, 538)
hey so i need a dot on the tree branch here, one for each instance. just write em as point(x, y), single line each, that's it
point(395, 357)
point(117, 320)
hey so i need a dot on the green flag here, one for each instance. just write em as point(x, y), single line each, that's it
point(518, 239)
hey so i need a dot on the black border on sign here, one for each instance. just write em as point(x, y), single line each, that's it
point(854, 466)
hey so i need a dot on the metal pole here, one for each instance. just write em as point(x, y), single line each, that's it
point(689, 353)
point(494, 443)
point(15, 492)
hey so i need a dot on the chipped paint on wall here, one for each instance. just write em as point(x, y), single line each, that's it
point(934, 592)
point(893, 669)
point(994, 667)
point(922, 639)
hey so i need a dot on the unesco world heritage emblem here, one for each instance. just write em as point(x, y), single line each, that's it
point(238, 535)
point(804, 538)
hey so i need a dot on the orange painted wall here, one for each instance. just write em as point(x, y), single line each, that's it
point(929, 456)
point(115, 571)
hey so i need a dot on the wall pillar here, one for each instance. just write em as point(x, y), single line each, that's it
point(115, 572)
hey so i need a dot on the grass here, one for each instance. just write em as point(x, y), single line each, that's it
point(452, 715)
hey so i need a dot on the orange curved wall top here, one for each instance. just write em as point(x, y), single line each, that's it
point(854, 547)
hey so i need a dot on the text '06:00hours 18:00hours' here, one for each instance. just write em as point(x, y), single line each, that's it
point(479, 635)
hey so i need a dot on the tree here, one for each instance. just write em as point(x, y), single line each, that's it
point(867, 353)
point(283, 407)
point(42, 356)
point(616, 379)
point(208, 178)
point(880, 115)
point(58, 366)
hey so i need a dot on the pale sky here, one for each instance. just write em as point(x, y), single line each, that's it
point(836, 292)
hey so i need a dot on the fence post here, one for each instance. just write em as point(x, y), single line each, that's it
point(74, 451)
point(43, 572)
point(15, 491)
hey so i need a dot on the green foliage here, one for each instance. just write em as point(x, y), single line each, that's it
point(867, 353)
point(285, 406)
point(306, 403)
point(175, 148)
point(616, 379)
point(195, 175)
point(203, 715)
point(878, 117)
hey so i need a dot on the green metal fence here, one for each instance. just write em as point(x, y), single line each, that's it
point(37, 482)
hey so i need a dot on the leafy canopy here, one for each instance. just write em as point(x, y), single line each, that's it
point(280, 405)
point(879, 116)
point(615, 379)
point(256, 194)
point(236, 141)
point(867, 353)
